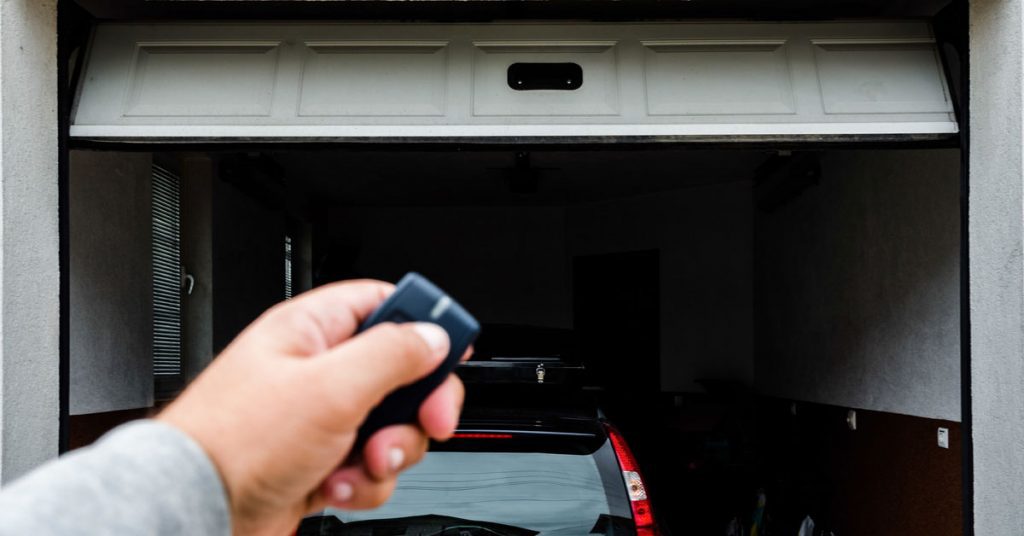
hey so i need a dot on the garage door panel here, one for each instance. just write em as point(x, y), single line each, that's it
point(374, 78)
point(283, 81)
point(718, 77)
point(597, 96)
point(880, 76)
point(183, 79)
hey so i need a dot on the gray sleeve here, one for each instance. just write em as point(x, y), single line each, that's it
point(145, 477)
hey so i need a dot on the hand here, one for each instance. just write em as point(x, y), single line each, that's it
point(279, 409)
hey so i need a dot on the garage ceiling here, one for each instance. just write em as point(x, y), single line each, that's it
point(373, 82)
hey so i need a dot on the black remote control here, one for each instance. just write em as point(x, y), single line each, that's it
point(418, 300)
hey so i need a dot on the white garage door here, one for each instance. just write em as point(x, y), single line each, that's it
point(287, 81)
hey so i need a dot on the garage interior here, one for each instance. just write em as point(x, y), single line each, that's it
point(734, 304)
point(776, 317)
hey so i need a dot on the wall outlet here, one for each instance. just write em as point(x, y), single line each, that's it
point(944, 438)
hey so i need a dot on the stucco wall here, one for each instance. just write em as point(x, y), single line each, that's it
point(29, 242)
point(996, 240)
point(111, 282)
point(857, 286)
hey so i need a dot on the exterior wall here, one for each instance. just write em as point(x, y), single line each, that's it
point(996, 242)
point(29, 237)
point(111, 282)
point(857, 286)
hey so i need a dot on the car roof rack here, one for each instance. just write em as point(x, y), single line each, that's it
point(547, 370)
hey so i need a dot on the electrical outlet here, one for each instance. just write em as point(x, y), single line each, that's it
point(944, 438)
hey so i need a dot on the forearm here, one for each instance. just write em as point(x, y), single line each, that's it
point(143, 478)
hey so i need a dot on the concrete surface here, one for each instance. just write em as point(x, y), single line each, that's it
point(996, 239)
point(29, 242)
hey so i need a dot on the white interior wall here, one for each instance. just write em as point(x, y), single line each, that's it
point(857, 286)
point(704, 236)
point(506, 264)
point(111, 282)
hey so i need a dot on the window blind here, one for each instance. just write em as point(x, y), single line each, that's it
point(166, 273)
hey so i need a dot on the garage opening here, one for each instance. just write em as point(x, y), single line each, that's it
point(772, 319)
point(763, 320)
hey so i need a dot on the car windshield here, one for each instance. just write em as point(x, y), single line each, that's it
point(494, 492)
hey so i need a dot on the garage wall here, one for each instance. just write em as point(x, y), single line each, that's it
point(111, 282)
point(248, 260)
point(506, 264)
point(705, 240)
point(857, 286)
point(197, 182)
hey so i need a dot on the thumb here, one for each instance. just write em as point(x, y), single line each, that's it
point(366, 368)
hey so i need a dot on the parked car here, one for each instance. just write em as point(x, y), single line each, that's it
point(528, 459)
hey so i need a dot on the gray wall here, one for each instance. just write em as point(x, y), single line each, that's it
point(996, 244)
point(29, 269)
point(111, 282)
point(506, 264)
point(705, 238)
point(857, 286)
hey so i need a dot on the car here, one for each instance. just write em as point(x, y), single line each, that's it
point(528, 458)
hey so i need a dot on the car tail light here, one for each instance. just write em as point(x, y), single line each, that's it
point(643, 516)
point(474, 435)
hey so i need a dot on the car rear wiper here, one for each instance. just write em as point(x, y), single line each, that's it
point(426, 525)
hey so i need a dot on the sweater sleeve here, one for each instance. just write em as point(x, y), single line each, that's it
point(145, 477)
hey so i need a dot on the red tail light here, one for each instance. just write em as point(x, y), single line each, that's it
point(474, 435)
point(643, 516)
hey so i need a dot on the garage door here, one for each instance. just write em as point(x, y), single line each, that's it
point(309, 82)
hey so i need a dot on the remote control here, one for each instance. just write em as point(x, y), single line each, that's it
point(418, 300)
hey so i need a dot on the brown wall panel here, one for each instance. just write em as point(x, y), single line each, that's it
point(888, 476)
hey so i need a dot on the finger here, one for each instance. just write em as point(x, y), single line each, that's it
point(355, 376)
point(352, 489)
point(393, 449)
point(468, 354)
point(439, 414)
point(321, 318)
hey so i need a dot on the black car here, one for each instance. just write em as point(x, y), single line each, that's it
point(530, 457)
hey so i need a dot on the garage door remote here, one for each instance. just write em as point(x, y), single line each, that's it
point(418, 300)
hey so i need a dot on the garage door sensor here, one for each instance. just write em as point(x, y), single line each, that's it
point(418, 300)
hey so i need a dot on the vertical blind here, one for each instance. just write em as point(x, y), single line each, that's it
point(166, 273)
point(287, 267)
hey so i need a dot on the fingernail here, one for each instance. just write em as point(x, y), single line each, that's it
point(396, 458)
point(435, 336)
point(343, 491)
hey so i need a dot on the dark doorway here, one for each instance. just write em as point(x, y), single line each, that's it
point(616, 317)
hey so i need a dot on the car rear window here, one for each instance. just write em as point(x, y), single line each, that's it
point(485, 489)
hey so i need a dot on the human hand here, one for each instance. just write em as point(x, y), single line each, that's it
point(278, 410)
